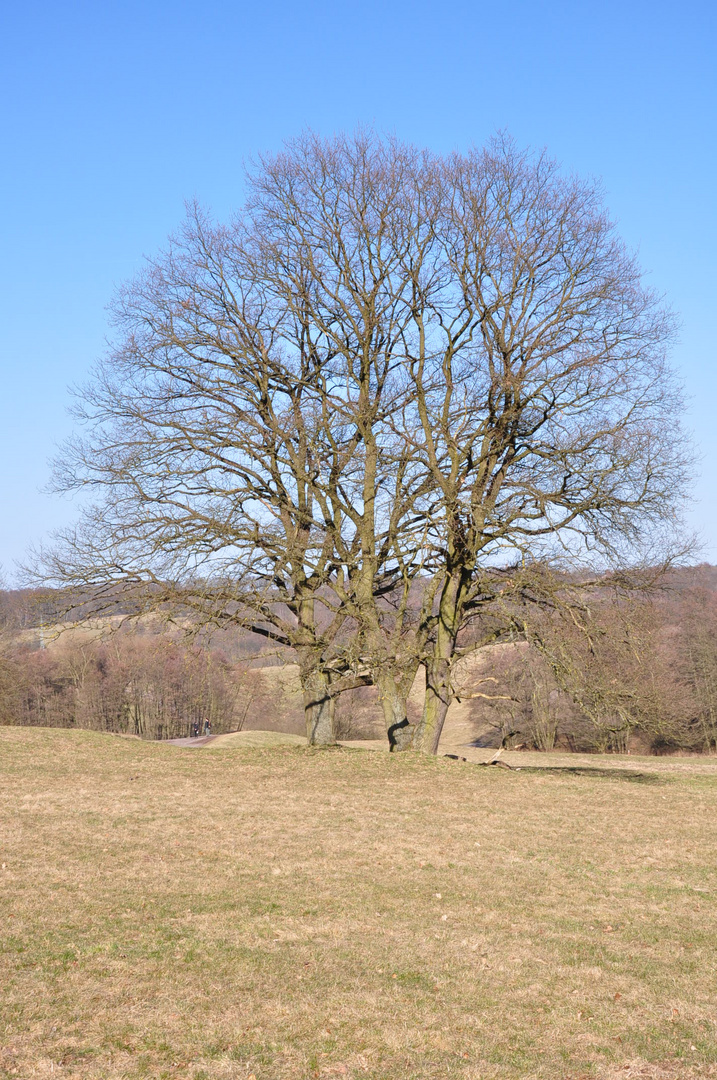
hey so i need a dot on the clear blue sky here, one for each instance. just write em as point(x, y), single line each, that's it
point(113, 114)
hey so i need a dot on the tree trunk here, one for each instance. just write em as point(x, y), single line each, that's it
point(393, 702)
point(435, 706)
point(439, 692)
point(318, 709)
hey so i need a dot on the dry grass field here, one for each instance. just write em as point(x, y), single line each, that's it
point(272, 912)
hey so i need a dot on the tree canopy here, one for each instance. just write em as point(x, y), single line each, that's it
point(359, 416)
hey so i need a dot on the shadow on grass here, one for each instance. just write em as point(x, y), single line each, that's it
point(629, 775)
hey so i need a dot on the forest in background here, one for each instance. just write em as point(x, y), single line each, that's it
point(644, 680)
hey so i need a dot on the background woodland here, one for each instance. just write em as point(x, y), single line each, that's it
point(644, 680)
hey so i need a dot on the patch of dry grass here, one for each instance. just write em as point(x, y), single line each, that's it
point(282, 913)
point(256, 740)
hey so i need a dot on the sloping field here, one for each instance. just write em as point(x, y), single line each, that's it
point(284, 914)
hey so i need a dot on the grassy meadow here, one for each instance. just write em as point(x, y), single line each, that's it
point(269, 912)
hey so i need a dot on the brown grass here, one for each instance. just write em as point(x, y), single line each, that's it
point(281, 913)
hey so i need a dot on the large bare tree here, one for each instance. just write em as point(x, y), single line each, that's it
point(354, 418)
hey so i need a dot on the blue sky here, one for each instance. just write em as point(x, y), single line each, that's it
point(112, 115)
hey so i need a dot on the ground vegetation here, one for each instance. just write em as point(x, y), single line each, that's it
point(230, 912)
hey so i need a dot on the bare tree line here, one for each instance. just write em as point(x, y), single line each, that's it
point(367, 417)
point(640, 676)
point(146, 686)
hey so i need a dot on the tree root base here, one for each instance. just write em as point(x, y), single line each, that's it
point(493, 761)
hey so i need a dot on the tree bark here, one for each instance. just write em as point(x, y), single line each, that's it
point(439, 691)
point(319, 709)
point(393, 702)
point(435, 706)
